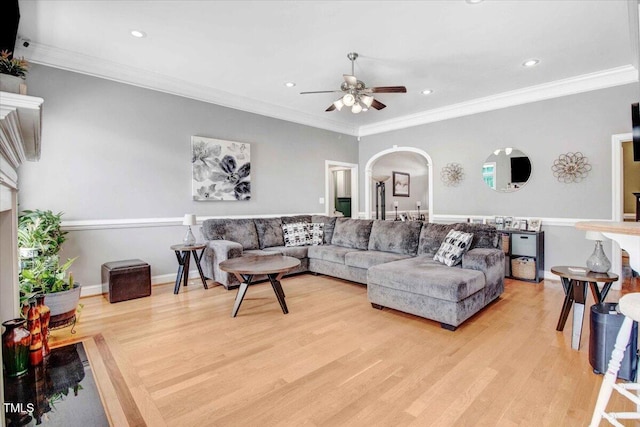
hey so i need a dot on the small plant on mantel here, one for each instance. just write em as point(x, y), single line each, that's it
point(13, 66)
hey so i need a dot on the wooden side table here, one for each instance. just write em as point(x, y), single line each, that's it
point(183, 254)
point(575, 284)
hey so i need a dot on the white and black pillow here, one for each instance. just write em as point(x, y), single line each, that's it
point(296, 234)
point(316, 233)
point(453, 247)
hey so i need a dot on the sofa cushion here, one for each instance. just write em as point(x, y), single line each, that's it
point(431, 237)
point(295, 234)
point(242, 231)
point(295, 218)
point(329, 253)
point(400, 237)
point(299, 252)
point(423, 276)
point(484, 235)
point(454, 246)
point(366, 259)
point(352, 233)
point(329, 224)
point(269, 232)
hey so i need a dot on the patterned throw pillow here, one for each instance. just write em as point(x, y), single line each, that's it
point(453, 247)
point(316, 233)
point(296, 234)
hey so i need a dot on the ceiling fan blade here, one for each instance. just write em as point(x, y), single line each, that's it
point(331, 108)
point(377, 105)
point(320, 91)
point(351, 80)
point(389, 89)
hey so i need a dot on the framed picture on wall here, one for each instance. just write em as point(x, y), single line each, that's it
point(534, 224)
point(401, 182)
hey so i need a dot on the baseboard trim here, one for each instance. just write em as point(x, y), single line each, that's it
point(99, 289)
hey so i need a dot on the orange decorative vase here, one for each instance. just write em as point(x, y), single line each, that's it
point(45, 315)
point(16, 340)
point(33, 324)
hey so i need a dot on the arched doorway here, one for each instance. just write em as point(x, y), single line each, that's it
point(425, 193)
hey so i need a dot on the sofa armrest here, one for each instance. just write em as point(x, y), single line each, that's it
point(216, 252)
point(491, 263)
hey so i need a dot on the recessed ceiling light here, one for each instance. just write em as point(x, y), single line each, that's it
point(427, 92)
point(289, 84)
point(138, 34)
point(474, 1)
point(530, 63)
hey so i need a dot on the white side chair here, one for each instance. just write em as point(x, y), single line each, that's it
point(629, 305)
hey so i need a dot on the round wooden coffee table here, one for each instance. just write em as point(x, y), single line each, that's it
point(245, 267)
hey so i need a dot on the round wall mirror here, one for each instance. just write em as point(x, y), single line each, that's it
point(506, 170)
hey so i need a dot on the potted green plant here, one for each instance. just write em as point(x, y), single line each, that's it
point(40, 235)
point(13, 72)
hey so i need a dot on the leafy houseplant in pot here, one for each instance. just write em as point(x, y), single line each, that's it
point(40, 232)
point(13, 72)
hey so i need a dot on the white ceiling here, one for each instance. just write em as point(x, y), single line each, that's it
point(240, 53)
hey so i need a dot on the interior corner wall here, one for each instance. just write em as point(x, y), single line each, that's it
point(112, 151)
point(543, 130)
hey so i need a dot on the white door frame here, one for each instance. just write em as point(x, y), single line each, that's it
point(328, 183)
point(395, 149)
point(617, 201)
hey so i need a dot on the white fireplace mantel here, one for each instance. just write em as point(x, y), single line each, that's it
point(20, 127)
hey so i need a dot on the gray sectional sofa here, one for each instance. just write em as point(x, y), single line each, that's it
point(394, 260)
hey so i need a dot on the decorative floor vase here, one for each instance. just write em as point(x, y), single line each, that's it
point(33, 324)
point(45, 315)
point(16, 340)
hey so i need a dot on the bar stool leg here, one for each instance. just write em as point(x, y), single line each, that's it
point(612, 371)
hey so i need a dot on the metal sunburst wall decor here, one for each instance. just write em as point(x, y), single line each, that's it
point(452, 174)
point(571, 167)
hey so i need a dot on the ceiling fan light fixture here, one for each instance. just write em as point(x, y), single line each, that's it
point(339, 104)
point(348, 100)
point(356, 109)
point(367, 100)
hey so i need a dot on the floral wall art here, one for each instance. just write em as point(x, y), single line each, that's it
point(221, 170)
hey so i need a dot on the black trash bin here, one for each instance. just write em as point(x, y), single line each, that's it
point(605, 324)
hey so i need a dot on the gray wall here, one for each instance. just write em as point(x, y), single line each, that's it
point(115, 151)
point(543, 130)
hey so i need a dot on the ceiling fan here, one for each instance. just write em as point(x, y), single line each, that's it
point(356, 94)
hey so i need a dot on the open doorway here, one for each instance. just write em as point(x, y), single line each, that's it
point(341, 189)
point(418, 200)
point(618, 208)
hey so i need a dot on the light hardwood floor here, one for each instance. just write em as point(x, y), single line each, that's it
point(181, 360)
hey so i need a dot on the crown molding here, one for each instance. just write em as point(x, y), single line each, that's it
point(110, 70)
point(571, 86)
point(85, 64)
